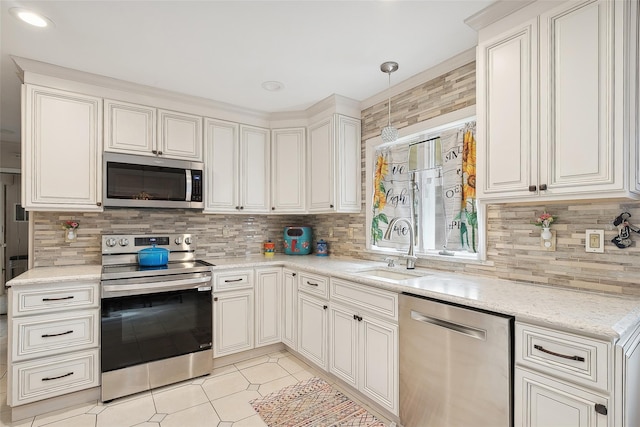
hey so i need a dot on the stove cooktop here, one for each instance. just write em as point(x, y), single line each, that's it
point(126, 271)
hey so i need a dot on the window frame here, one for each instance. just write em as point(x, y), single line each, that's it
point(416, 133)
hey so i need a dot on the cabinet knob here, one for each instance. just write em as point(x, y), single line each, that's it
point(215, 298)
point(241, 207)
point(293, 274)
point(543, 187)
point(99, 204)
point(238, 207)
point(532, 188)
point(325, 307)
point(331, 206)
point(159, 153)
point(273, 208)
point(154, 151)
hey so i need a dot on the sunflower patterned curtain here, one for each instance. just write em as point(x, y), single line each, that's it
point(394, 187)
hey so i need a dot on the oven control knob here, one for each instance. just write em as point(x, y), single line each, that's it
point(111, 242)
point(187, 240)
point(178, 240)
point(124, 242)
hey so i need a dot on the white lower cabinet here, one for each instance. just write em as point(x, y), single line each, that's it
point(53, 339)
point(268, 306)
point(545, 402)
point(232, 322)
point(289, 308)
point(312, 328)
point(363, 348)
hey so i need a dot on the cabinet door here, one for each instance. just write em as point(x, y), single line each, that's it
point(379, 362)
point(129, 128)
point(343, 344)
point(62, 150)
point(254, 170)
point(221, 166)
point(321, 167)
point(288, 170)
point(268, 303)
point(507, 153)
point(179, 135)
point(348, 169)
point(232, 322)
point(543, 402)
point(312, 329)
point(581, 95)
point(289, 308)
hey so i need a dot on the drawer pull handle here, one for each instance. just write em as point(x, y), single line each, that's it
point(57, 299)
point(564, 356)
point(601, 409)
point(232, 280)
point(57, 335)
point(311, 284)
point(58, 377)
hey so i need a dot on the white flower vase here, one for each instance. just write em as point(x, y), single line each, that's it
point(546, 233)
point(70, 235)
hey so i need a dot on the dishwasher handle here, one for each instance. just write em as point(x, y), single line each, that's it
point(469, 331)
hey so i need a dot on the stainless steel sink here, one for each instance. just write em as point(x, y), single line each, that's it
point(389, 274)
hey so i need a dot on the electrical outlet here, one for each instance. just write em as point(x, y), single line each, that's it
point(594, 241)
point(330, 231)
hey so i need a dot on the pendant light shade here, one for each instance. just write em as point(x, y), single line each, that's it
point(389, 133)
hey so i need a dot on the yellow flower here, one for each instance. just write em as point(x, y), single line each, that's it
point(382, 168)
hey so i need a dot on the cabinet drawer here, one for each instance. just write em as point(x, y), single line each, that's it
point(52, 334)
point(235, 279)
point(48, 299)
point(377, 301)
point(314, 284)
point(572, 357)
point(53, 376)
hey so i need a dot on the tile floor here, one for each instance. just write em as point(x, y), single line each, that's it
point(217, 400)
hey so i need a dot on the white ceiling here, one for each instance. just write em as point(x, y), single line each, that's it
point(224, 50)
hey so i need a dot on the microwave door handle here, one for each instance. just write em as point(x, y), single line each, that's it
point(189, 185)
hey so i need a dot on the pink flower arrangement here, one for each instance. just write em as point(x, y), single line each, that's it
point(71, 224)
point(544, 220)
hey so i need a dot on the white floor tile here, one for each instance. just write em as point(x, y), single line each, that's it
point(197, 416)
point(254, 421)
point(84, 420)
point(63, 414)
point(224, 370)
point(225, 385)
point(236, 406)
point(292, 365)
point(276, 385)
point(128, 413)
point(179, 398)
point(264, 373)
point(252, 362)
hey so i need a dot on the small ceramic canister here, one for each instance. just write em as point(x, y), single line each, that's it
point(269, 248)
point(322, 249)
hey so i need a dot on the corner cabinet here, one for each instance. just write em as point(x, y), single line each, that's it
point(289, 308)
point(333, 165)
point(237, 168)
point(268, 291)
point(553, 117)
point(62, 150)
point(288, 170)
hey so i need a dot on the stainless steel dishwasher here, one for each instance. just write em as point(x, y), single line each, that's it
point(456, 365)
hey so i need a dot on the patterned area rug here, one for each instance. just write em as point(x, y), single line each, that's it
point(312, 403)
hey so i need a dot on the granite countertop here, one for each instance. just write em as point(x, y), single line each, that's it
point(606, 316)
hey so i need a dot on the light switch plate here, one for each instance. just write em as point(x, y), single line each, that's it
point(594, 241)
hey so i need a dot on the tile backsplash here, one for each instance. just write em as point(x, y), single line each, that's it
point(513, 243)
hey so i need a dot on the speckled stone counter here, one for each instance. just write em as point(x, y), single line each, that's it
point(605, 316)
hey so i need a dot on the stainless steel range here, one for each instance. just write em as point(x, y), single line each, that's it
point(156, 321)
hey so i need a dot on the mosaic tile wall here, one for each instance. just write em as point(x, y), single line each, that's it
point(513, 248)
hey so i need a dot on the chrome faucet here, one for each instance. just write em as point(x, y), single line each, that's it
point(411, 258)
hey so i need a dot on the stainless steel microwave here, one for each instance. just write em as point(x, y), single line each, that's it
point(151, 182)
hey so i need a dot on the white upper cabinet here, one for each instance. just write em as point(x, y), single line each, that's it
point(333, 165)
point(129, 128)
point(288, 170)
point(221, 152)
point(62, 150)
point(566, 137)
point(255, 170)
point(138, 129)
point(236, 168)
point(179, 135)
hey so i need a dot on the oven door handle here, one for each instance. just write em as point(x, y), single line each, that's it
point(109, 291)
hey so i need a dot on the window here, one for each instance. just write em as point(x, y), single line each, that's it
point(428, 178)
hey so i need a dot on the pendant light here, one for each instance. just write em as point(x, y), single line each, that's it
point(389, 133)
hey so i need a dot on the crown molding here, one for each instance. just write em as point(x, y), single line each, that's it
point(495, 12)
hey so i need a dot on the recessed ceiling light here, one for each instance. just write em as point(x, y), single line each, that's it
point(31, 17)
point(272, 86)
